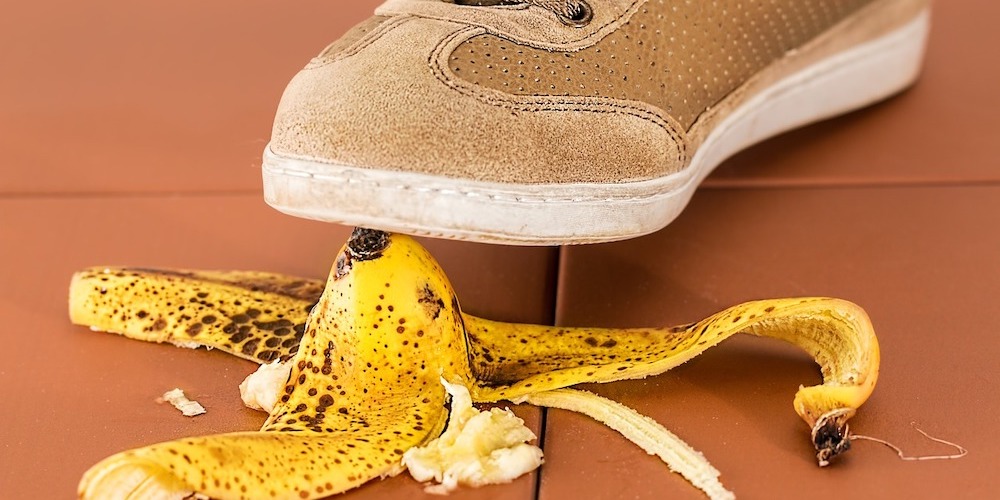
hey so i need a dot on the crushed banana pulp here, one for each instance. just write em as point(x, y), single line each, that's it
point(187, 407)
point(261, 388)
point(477, 448)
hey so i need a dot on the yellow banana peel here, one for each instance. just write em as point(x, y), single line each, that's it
point(368, 350)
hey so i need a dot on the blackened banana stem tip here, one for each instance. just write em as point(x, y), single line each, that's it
point(367, 244)
point(831, 435)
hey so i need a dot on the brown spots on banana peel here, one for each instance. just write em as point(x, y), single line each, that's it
point(237, 312)
point(431, 302)
point(247, 465)
point(838, 334)
point(364, 381)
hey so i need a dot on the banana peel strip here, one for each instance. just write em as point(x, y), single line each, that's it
point(645, 432)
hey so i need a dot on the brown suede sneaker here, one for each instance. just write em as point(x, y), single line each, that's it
point(566, 121)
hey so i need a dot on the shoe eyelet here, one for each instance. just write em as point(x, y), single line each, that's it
point(582, 17)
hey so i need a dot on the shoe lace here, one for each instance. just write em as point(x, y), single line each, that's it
point(571, 12)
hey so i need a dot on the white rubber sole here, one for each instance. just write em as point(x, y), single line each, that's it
point(560, 214)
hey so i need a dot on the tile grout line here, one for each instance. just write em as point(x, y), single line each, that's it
point(543, 420)
point(537, 491)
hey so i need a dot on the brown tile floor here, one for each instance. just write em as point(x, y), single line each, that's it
point(922, 260)
point(121, 96)
point(132, 135)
